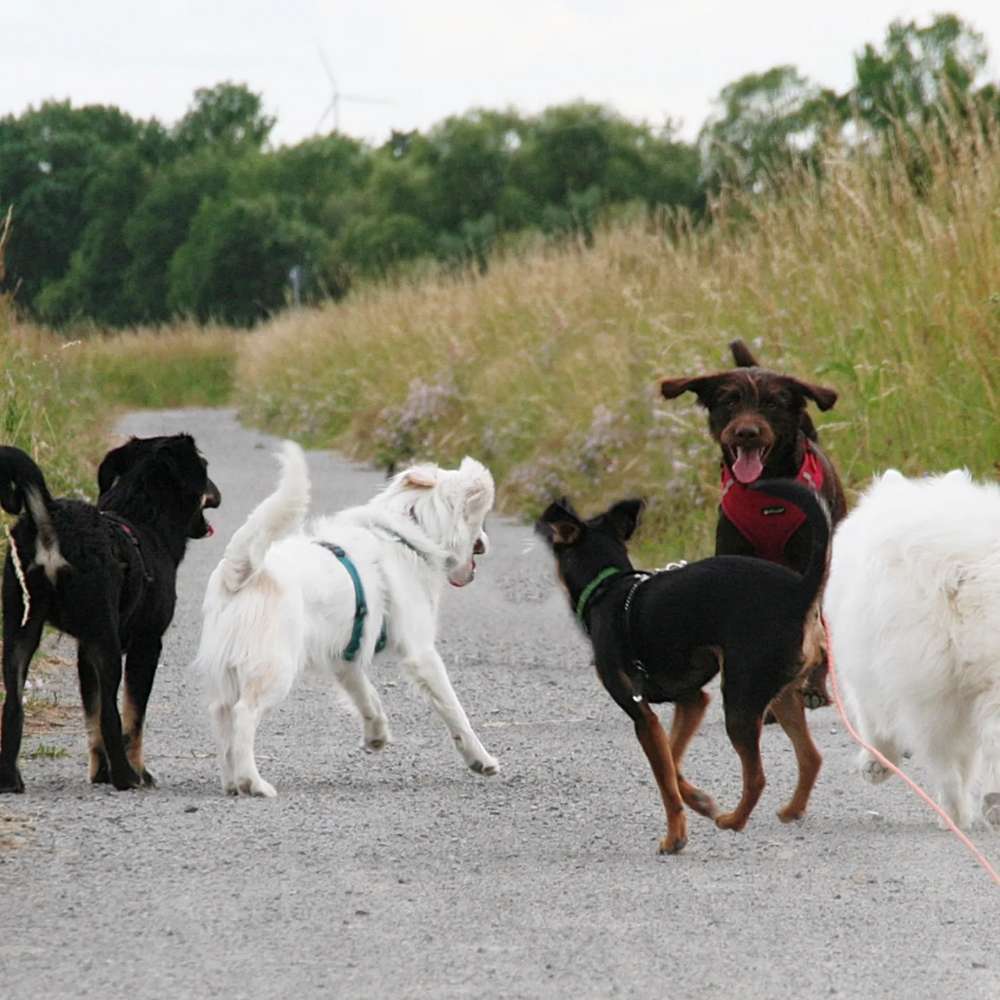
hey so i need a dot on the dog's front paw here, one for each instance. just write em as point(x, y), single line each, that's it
point(147, 779)
point(11, 781)
point(991, 809)
point(789, 814)
point(126, 779)
point(672, 845)
point(731, 821)
point(376, 734)
point(487, 766)
point(872, 770)
point(258, 787)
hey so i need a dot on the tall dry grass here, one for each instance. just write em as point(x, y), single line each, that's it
point(546, 367)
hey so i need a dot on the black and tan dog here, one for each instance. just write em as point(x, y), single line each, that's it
point(106, 575)
point(661, 637)
point(760, 421)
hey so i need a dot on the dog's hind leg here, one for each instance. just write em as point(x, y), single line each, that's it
point(743, 726)
point(19, 646)
point(90, 694)
point(366, 700)
point(789, 711)
point(140, 669)
point(656, 746)
point(687, 719)
point(99, 665)
point(428, 671)
point(246, 716)
point(222, 717)
point(956, 765)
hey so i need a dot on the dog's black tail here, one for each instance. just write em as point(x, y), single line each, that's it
point(818, 519)
point(22, 488)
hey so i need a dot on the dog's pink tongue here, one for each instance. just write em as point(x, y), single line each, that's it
point(748, 466)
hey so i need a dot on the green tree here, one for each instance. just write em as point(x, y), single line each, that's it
point(917, 71)
point(92, 286)
point(373, 244)
point(228, 115)
point(762, 123)
point(235, 265)
point(160, 224)
point(49, 157)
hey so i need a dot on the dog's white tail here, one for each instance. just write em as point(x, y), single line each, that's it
point(281, 514)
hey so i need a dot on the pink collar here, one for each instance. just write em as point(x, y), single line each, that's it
point(768, 522)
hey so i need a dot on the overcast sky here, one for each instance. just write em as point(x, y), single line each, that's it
point(417, 61)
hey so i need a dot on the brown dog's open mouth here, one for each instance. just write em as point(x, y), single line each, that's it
point(748, 465)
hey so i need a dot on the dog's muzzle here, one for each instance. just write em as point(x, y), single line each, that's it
point(212, 497)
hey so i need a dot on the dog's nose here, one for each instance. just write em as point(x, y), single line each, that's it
point(213, 498)
point(746, 433)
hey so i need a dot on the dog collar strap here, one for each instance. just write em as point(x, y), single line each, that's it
point(588, 591)
point(397, 537)
point(360, 605)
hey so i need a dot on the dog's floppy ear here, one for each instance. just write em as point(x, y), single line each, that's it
point(480, 491)
point(624, 517)
point(703, 386)
point(118, 461)
point(822, 396)
point(559, 524)
point(421, 477)
point(742, 357)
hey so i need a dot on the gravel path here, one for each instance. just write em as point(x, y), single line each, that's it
point(405, 875)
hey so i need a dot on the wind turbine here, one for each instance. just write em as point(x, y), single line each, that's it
point(336, 97)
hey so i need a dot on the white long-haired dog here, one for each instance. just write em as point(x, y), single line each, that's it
point(913, 606)
point(281, 600)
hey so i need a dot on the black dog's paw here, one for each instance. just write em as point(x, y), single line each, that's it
point(101, 775)
point(10, 781)
point(126, 780)
point(147, 779)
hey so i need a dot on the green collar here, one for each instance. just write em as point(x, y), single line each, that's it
point(588, 591)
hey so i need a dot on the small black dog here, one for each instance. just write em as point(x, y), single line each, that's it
point(105, 575)
point(662, 636)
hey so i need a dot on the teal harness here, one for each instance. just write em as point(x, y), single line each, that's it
point(360, 605)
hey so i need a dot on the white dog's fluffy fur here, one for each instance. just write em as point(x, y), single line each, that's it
point(278, 602)
point(913, 606)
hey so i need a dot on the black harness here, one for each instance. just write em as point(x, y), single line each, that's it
point(132, 536)
point(637, 673)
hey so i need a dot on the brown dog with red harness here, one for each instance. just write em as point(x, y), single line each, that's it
point(760, 421)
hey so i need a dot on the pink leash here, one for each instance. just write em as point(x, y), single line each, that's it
point(886, 763)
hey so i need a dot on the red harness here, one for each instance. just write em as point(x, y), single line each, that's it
point(767, 522)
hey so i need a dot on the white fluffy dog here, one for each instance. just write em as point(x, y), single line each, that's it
point(913, 606)
point(281, 600)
